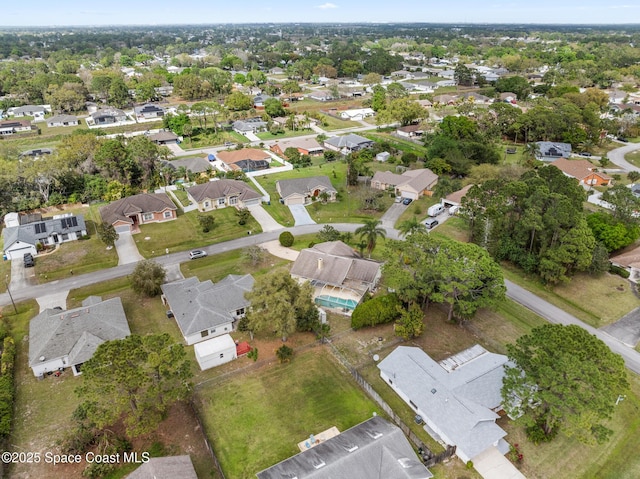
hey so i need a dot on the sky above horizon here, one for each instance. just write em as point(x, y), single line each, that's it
point(164, 12)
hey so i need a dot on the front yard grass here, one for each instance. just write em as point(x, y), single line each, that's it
point(633, 158)
point(255, 420)
point(185, 232)
point(406, 146)
point(217, 267)
point(209, 137)
point(596, 300)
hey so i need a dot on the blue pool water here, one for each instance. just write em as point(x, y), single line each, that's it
point(334, 302)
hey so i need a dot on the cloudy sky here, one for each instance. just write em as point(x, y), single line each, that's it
point(153, 12)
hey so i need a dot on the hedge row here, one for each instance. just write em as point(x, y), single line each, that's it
point(6, 386)
point(379, 310)
point(619, 271)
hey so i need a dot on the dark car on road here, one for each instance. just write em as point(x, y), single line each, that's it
point(622, 139)
point(197, 253)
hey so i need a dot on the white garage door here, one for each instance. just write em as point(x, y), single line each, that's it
point(123, 229)
point(409, 194)
point(295, 200)
point(19, 252)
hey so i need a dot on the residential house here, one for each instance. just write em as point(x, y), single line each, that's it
point(300, 191)
point(617, 96)
point(251, 125)
point(258, 100)
point(62, 120)
point(9, 127)
point(164, 138)
point(58, 229)
point(149, 111)
point(215, 351)
point(204, 310)
point(340, 276)
point(164, 90)
point(195, 164)
point(551, 150)
point(246, 159)
point(410, 131)
point(444, 99)
point(454, 200)
point(165, 468)
point(410, 184)
point(629, 259)
point(508, 97)
point(36, 111)
point(127, 214)
point(348, 143)
point(276, 71)
point(321, 95)
point(584, 171)
point(222, 193)
point(476, 98)
point(373, 449)
point(108, 115)
point(61, 339)
point(306, 146)
point(458, 398)
point(358, 114)
point(424, 103)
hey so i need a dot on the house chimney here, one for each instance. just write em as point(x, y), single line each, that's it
point(319, 263)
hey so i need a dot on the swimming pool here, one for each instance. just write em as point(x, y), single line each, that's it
point(335, 302)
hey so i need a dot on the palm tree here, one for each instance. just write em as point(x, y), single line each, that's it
point(411, 226)
point(531, 151)
point(369, 232)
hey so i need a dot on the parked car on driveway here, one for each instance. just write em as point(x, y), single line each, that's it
point(197, 253)
point(585, 153)
point(28, 260)
point(407, 201)
point(431, 223)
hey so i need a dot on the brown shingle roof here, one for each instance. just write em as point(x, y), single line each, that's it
point(579, 169)
point(122, 209)
point(234, 156)
point(221, 189)
point(456, 196)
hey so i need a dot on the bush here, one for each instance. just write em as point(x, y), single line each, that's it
point(253, 354)
point(284, 353)
point(286, 239)
point(378, 310)
point(613, 269)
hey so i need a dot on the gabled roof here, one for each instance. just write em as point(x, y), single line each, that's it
point(411, 128)
point(628, 259)
point(579, 169)
point(121, 210)
point(62, 119)
point(456, 196)
point(165, 468)
point(418, 180)
point(32, 233)
point(457, 394)
point(163, 136)
point(148, 108)
point(196, 164)
point(349, 141)
point(107, 112)
point(309, 144)
point(201, 305)
point(244, 154)
point(249, 125)
point(554, 149)
point(374, 449)
point(76, 332)
point(337, 264)
point(303, 186)
point(221, 189)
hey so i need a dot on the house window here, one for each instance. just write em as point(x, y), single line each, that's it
point(65, 237)
point(204, 333)
point(168, 214)
point(147, 216)
point(240, 312)
point(233, 200)
point(206, 204)
point(221, 201)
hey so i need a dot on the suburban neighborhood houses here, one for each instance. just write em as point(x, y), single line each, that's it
point(320, 250)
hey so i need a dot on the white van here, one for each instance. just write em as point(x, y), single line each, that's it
point(435, 210)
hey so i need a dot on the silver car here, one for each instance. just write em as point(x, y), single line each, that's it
point(197, 253)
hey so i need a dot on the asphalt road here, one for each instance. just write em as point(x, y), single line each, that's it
point(555, 315)
point(617, 156)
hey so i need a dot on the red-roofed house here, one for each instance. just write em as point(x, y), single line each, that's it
point(584, 171)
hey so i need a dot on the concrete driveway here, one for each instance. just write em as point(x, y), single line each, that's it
point(127, 249)
point(626, 329)
point(20, 276)
point(301, 215)
point(267, 223)
point(392, 214)
point(51, 301)
point(491, 464)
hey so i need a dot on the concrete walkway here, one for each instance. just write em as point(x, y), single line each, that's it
point(267, 223)
point(127, 249)
point(276, 249)
point(491, 464)
point(301, 215)
point(51, 301)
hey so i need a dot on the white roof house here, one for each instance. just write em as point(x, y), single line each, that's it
point(357, 114)
point(457, 397)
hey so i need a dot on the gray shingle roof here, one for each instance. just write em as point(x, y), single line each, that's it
point(374, 449)
point(170, 467)
point(196, 164)
point(304, 186)
point(32, 233)
point(221, 189)
point(554, 149)
point(350, 141)
point(122, 209)
point(201, 305)
point(335, 263)
point(62, 119)
point(76, 332)
point(457, 395)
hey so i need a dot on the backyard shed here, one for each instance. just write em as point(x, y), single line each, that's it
point(215, 351)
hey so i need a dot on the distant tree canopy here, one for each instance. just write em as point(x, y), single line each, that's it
point(536, 222)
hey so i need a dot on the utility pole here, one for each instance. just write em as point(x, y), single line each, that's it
point(6, 281)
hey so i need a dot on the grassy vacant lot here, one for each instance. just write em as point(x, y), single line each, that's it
point(219, 266)
point(406, 146)
point(265, 135)
point(186, 233)
point(208, 137)
point(256, 420)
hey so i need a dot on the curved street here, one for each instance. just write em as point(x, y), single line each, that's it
point(617, 156)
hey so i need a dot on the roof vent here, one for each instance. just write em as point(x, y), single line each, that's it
point(318, 463)
point(434, 390)
point(374, 434)
point(42, 358)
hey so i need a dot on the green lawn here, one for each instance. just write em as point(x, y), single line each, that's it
point(182, 196)
point(287, 134)
point(185, 233)
point(211, 138)
point(633, 158)
point(255, 420)
point(405, 146)
point(417, 208)
point(218, 266)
